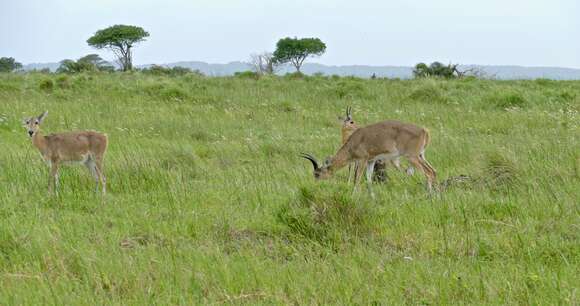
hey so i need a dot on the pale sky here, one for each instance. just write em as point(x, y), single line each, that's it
point(366, 32)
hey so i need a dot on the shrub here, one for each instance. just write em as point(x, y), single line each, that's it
point(46, 84)
point(428, 93)
point(505, 100)
point(174, 71)
point(247, 75)
point(499, 171)
point(349, 89)
point(327, 216)
point(173, 93)
point(63, 82)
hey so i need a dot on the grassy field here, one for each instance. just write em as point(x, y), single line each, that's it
point(209, 202)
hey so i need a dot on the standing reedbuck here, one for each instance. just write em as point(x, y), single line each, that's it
point(387, 140)
point(84, 147)
point(348, 127)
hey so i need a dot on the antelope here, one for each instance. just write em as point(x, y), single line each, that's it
point(84, 147)
point(387, 140)
point(348, 127)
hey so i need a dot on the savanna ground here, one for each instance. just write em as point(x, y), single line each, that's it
point(209, 202)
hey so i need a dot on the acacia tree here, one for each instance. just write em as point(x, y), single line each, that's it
point(295, 51)
point(9, 64)
point(119, 39)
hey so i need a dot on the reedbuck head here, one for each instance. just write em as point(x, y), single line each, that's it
point(32, 125)
point(347, 123)
point(320, 172)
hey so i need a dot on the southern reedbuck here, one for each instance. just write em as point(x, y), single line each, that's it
point(348, 127)
point(387, 140)
point(84, 147)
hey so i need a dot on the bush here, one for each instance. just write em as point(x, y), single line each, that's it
point(174, 71)
point(247, 75)
point(505, 100)
point(428, 93)
point(173, 93)
point(327, 216)
point(46, 85)
point(63, 82)
point(499, 171)
point(350, 89)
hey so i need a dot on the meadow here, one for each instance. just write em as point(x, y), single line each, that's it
point(209, 203)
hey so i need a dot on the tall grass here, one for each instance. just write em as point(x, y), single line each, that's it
point(209, 202)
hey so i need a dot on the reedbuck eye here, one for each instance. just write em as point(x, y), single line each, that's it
point(36, 122)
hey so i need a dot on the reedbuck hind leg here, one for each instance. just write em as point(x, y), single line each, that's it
point(99, 168)
point(92, 166)
point(425, 168)
point(370, 169)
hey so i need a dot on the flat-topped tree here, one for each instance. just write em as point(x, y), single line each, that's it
point(119, 39)
point(295, 51)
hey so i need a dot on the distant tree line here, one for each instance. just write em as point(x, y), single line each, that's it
point(450, 71)
point(121, 39)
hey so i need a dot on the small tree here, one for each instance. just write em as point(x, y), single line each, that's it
point(436, 69)
point(9, 64)
point(91, 62)
point(119, 39)
point(263, 63)
point(295, 51)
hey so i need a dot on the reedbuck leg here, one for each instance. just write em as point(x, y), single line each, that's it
point(53, 178)
point(92, 166)
point(430, 169)
point(370, 169)
point(358, 172)
point(423, 165)
point(349, 172)
point(99, 168)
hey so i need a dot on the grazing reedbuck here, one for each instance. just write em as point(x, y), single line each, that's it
point(85, 147)
point(387, 140)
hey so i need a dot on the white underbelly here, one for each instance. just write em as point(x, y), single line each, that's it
point(386, 157)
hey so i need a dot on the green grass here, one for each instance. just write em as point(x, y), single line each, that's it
point(209, 201)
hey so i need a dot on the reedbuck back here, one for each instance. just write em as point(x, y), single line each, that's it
point(387, 140)
point(84, 147)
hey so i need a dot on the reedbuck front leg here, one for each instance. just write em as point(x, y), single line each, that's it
point(53, 178)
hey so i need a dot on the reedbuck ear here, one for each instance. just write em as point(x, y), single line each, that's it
point(41, 117)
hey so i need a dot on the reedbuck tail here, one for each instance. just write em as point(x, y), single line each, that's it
point(426, 138)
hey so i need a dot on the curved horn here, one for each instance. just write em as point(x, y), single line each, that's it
point(311, 159)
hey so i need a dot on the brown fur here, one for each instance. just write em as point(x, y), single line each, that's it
point(388, 137)
point(87, 147)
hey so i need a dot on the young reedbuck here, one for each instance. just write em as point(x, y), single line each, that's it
point(84, 147)
point(387, 140)
point(348, 127)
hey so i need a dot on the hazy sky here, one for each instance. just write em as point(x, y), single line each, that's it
point(372, 32)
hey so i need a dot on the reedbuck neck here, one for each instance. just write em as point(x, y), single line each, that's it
point(85, 147)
